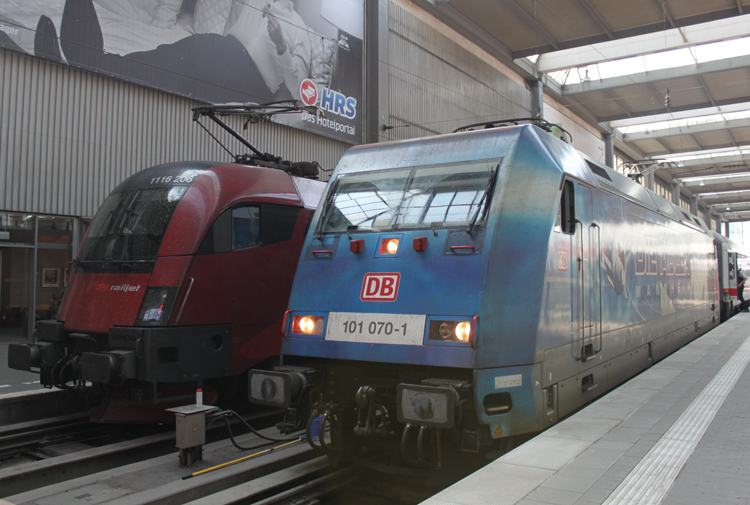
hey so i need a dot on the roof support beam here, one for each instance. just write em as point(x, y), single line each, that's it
point(687, 130)
point(735, 193)
point(710, 181)
point(717, 161)
point(598, 17)
point(708, 111)
point(674, 109)
point(529, 20)
point(703, 33)
point(660, 75)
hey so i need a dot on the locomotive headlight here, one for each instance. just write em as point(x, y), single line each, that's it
point(446, 330)
point(389, 246)
point(450, 331)
point(463, 331)
point(426, 405)
point(156, 305)
point(308, 325)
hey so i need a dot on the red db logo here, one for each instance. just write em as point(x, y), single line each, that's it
point(308, 92)
point(380, 287)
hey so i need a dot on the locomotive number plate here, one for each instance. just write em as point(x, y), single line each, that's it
point(397, 329)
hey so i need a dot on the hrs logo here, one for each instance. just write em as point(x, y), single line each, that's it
point(332, 101)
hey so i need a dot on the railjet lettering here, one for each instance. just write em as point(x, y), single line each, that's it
point(117, 287)
point(380, 287)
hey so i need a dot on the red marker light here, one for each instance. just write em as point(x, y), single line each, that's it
point(356, 246)
point(420, 244)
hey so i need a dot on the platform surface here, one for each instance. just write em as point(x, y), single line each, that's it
point(679, 433)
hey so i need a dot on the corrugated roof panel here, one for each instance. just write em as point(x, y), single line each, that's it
point(679, 143)
point(599, 103)
point(499, 21)
point(636, 97)
point(563, 19)
point(623, 15)
point(688, 8)
point(650, 146)
point(730, 84)
point(714, 139)
point(740, 135)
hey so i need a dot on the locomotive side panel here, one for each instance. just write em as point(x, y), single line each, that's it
point(652, 280)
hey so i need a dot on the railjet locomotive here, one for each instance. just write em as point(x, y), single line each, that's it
point(458, 291)
point(181, 282)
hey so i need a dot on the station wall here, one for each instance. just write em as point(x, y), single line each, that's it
point(438, 81)
point(69, 136)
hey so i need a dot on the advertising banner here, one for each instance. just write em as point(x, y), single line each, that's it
point(217, 51)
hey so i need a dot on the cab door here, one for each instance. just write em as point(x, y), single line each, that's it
point(586, 288)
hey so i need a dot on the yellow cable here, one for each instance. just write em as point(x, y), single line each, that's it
point(243, 459)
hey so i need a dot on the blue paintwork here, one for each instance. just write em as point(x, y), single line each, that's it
point(526, 302)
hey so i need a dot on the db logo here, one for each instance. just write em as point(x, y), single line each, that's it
point(102, 287)
point(380, 287)
point(308, 92)
point(562, 260)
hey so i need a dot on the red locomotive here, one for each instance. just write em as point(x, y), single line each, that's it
point(181, 283)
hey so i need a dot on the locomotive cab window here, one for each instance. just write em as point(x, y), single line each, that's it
point(245, 227)
point(566, 219)
point(249, 226)
point(130, 226)
point(422, 197)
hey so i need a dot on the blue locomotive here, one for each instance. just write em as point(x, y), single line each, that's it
point(459, 291)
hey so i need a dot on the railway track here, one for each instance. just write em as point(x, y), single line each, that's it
point(53, 450)
point(289, 474)
point(68, 459)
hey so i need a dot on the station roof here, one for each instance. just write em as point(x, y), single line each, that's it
point(669, 78)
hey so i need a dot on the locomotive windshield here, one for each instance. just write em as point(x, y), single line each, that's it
point(418, 197)
point(130, 225)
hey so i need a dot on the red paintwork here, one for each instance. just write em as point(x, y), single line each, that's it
point(93, 306)
point(213, 192)
point(170, 271)
point(247, 288)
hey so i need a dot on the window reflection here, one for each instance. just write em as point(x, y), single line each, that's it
point(245, 227)
point(442, 195)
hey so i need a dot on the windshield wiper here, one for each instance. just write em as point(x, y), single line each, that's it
point(324, 210)
point(487, 196)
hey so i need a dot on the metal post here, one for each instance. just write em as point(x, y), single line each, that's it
point(676, 194)
point(609, 150)
point(537, 99)
point(726, 229)
point(380, 63)
point(370, 56)
point(650, 181)
point(694, 205)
